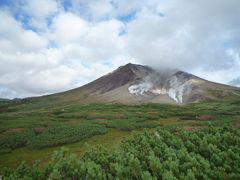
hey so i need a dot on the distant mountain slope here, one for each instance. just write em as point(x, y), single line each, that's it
point(136, 84)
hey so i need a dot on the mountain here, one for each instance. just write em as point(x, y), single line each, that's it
point(136, 84)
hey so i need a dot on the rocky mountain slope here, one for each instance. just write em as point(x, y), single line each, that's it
point(135, 84)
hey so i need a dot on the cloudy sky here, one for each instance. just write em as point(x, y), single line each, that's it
point(48, 46)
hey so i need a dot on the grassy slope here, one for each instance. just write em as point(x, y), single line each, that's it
point(111, 140)
point(118, 119)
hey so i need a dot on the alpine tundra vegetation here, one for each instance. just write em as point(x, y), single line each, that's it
point(119, 89)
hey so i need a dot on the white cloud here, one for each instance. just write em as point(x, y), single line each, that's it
point(126, 7)
point(87, 41)
point(60, 48)
point(193, 36)
point(100, 9)
point(93, 9)
point(31, 67)
point(14, 38)
point(40, 9)
point(68, 27)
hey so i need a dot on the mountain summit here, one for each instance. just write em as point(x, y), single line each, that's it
point(136, 84)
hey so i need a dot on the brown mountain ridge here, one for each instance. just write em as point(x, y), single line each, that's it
point(137, 84)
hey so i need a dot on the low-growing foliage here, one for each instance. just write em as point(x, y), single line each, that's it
point(65, 135)
point(212, 153)
point(52, 136)
point(12, 141)
point(131, 124)
point(44, 126)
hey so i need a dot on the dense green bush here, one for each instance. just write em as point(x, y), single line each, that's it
point(12, 141)
point(131, 124)
point(65, 134)
point(208, 154)
point(51, 136)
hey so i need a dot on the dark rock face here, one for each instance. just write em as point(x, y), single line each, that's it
point(120, 77)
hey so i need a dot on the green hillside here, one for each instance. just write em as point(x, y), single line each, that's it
point(29, 131)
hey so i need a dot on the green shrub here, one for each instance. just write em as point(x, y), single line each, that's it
point(15, 140)
point(55, 136)
point(128, 125)
point(208, 154)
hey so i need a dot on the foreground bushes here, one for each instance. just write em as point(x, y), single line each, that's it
point(209, 154)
